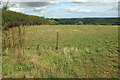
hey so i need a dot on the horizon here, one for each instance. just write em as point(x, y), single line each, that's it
point(84, 18)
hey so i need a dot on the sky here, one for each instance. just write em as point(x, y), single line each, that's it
point(66, 8)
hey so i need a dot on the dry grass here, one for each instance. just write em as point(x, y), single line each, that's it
point(84, 52)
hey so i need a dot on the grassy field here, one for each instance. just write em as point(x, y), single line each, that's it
point(87, 51)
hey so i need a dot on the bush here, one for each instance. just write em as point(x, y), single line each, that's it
point(53, 22)
point(79, 23)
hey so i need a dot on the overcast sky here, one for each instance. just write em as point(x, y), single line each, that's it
point(67, 8)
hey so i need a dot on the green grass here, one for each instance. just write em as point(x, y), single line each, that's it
point(84, 52)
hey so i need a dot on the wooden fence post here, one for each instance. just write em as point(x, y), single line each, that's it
point(57, 40)
point(9, 44)
point(13, 37)
point(23, 40)
point(6, 39)
point(19, 44)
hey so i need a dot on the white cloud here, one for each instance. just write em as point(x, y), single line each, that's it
point(57, 1)
point(78, 0)
point(102, 1)
point(17, 9)
point(84, 10)
point(54, 2)
point(17, 5)
point(80, 10)
point(40, 8)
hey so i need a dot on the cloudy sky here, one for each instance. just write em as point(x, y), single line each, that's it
point(67, 8)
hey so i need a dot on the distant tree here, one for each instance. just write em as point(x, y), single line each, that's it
point(53, 22)
point(14, 19)
point(6, 6)
point(79, 23)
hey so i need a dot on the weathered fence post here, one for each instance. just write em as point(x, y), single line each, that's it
point(6, 39)
point(57, 40)
point(24, 32)
point(19, 44)
point(23, 40)
point(13, 37)
point(37, 46)
point(4, 43)
point(9, 44)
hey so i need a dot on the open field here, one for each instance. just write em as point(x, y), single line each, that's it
point(86, 51)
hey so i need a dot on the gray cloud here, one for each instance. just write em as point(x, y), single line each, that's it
point(34, 4)
point(29, 7)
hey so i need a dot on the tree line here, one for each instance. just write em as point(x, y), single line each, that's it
point(13, 19)
point(88, 21)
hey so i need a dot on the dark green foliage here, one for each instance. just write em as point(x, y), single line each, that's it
point(89, 21)
point(53, 22)
point(101, 21)
point(13, 19)
point(79, 23)
point(65, 21)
